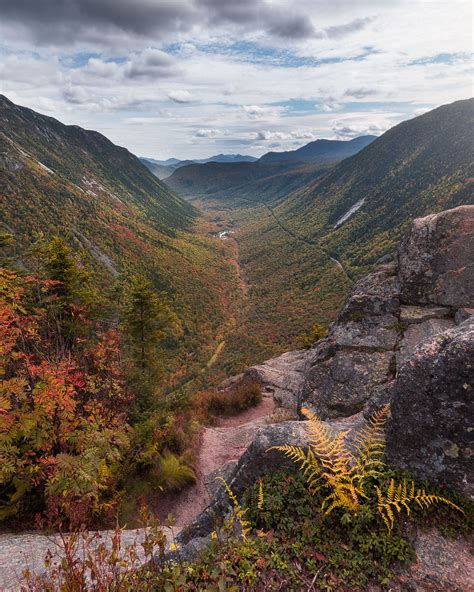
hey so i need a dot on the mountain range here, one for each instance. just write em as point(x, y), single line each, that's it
point(301, 248)
point(307, 222)
point(271, 177)
point(165, 168)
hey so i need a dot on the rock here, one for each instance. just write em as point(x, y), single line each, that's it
point(430, 431)
point(283, 377)
point(381, 396)
point(417, 333)
point(341, 385)
point(358, 355)
point(254, 463)
point(417, 314)
point(462, 314)
point(213, 483)
point(374, 295)
point(257, 461)
point(441, 565)
point(187, 552)
point(369, 333)
point(436, 265)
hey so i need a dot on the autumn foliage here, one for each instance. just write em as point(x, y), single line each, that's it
point(63, 398)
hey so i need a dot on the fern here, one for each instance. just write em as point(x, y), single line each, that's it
point(346, 472)
point(238, 510)
point(399, 496)
point(370, 444)
point(260, 494)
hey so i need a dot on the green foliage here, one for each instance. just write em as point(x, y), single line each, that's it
point(173, 473)
point(306, 340)
point(288, 544)
point(146, 320)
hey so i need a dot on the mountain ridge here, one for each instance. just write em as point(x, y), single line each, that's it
point(67, 181)
point(228, 180)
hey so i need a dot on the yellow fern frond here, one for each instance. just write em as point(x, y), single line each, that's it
point(400, 495)
point(260, 495)
point(239, 512)
point(370, 446)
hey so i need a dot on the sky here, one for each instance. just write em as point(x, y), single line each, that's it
point(193, 78)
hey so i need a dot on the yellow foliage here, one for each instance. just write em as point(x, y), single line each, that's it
point(401, 495)
point(346, 470)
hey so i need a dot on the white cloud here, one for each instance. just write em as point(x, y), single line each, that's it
point(230, 84)
point(181, 96)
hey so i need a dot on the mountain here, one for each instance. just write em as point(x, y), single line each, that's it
point(231, 181)
point(159, 170)
point(65, 180)
point(320, 151)
point(302, 254)
point(360, 208)
point(164, 168)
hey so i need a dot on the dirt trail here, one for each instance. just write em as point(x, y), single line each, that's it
point(224, 442)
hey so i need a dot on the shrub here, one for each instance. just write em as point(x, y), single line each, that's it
point(173, 473)
point(306, 340)
point(246, 394)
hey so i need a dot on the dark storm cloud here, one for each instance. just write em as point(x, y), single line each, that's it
point(257, 14)
point(61, 22)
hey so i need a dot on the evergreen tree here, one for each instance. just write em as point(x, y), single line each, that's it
point(147, 319)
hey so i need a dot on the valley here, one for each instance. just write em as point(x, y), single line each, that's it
point(146, 321)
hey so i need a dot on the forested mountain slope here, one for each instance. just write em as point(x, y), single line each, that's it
point(57, 179)
point(360, 208)
point(301, 254)
point(164, 168)
point(278, 173)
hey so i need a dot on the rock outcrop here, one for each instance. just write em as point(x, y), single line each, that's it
point(427, 290)
point(436, 259)
point(430, 431)
point(405, 336)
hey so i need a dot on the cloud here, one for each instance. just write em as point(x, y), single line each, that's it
point(360, 93)
point(180, 96)
point(63, 22)
point(151, 63)
point(346, 132)
point(262, 112)
point(340, 31)
point(207, 133)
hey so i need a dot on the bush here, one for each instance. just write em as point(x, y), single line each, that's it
point(246, 394)
point(174, 473)
point(306, 340)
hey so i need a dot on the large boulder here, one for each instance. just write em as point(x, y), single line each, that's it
point(345, 369)
point(430, 432)
point(436, 263)
point(341, 385)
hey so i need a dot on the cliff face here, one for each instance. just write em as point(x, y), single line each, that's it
point(405, 335)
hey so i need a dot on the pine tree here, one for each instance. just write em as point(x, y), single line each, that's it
point(147, 319)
